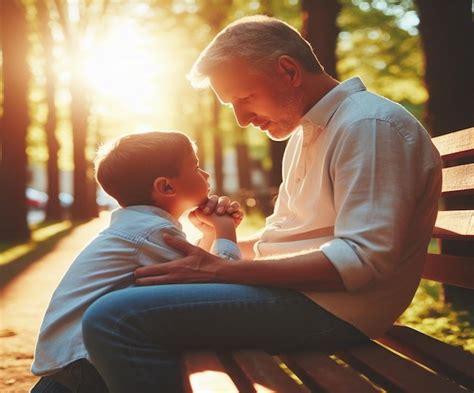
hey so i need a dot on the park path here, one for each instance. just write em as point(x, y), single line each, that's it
point(24, 300)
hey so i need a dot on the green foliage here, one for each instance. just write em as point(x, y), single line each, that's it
point(252, 222)
point(428, 314)
point(379, 42)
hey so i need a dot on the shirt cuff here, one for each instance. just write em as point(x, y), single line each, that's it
point(226, 249)
point(354, 273)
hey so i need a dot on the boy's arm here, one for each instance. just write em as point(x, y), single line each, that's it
point(225, 244)
point(206, 241)
point(207, 231)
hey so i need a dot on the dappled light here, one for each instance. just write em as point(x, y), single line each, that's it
point(211, 381)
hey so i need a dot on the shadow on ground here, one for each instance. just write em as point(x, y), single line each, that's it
point(9, 270)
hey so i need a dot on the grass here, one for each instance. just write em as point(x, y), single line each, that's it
point(430, 315)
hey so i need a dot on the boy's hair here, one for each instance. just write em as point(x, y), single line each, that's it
point(127, 167)
point(258, 40)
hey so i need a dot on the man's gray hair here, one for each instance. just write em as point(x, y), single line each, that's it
point(258, 40)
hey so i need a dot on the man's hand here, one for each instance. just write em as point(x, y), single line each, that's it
point(196, 266)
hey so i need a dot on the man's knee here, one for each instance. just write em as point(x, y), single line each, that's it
point(100, 318)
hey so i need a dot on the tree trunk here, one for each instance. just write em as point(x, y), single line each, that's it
point(320, 29)
point(276, 152)
point(53, 207)
point(199, 130)
point(79, 120)
point(243, 163)
point(447, 37)
point(14, 123)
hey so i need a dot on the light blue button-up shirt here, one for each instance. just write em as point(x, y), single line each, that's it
point(133, 239)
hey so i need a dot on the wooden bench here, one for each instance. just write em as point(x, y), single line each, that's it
point(403, 360)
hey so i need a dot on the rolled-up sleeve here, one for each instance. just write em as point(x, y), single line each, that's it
point(373, 171)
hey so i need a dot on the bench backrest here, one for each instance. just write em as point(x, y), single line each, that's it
point(457, 152)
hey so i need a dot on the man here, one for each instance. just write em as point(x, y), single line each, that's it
point(338, 260)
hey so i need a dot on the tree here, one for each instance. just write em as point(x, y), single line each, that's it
point(14, 122)
point(53, 207)
point(447, 35)
point(321, 30)
point(377, 45)
point(215, 14)
point(84, 206)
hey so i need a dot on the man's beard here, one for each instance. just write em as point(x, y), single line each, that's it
point(290, 120)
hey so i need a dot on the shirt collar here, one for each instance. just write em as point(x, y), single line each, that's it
point(320, 114)
point(148, 209)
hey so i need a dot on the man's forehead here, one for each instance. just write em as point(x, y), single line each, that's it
point(231, 78)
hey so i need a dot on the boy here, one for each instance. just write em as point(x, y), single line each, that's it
point(155, 177)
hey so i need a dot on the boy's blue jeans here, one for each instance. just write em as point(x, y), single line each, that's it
point(135, 335)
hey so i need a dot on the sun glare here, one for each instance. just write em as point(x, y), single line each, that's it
point(121, 66)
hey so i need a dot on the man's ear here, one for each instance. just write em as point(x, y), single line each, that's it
point(163, 186)
point(290, 68)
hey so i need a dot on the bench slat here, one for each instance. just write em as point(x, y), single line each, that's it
point(324, 372)
point(449, 269)
point(384, 366)
point(455, 224)
point(439, 356)
point(455, 144)
point(458, 180)
point(265, 374)
point(204, 373)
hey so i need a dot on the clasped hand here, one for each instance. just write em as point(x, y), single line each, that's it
point(197, 265)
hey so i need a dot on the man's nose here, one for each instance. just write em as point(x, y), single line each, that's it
point(242, 116)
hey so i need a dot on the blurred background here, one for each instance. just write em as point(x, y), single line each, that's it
point(76, 73)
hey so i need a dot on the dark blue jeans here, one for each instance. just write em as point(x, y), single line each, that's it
point(135, 336)
point(77, 377)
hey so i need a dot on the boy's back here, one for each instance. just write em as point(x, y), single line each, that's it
point(132, 239)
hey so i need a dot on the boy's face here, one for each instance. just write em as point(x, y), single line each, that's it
point(191, 186)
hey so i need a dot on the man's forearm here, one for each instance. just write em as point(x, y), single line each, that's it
point(312, 271)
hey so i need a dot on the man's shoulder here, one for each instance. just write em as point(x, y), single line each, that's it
point(365, 106)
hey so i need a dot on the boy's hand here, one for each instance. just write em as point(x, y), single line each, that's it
point(204, 228)
point(213, 220)
point(223, 227)
point(221, 206)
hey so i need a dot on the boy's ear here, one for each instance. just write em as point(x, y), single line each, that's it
point(163, 186)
